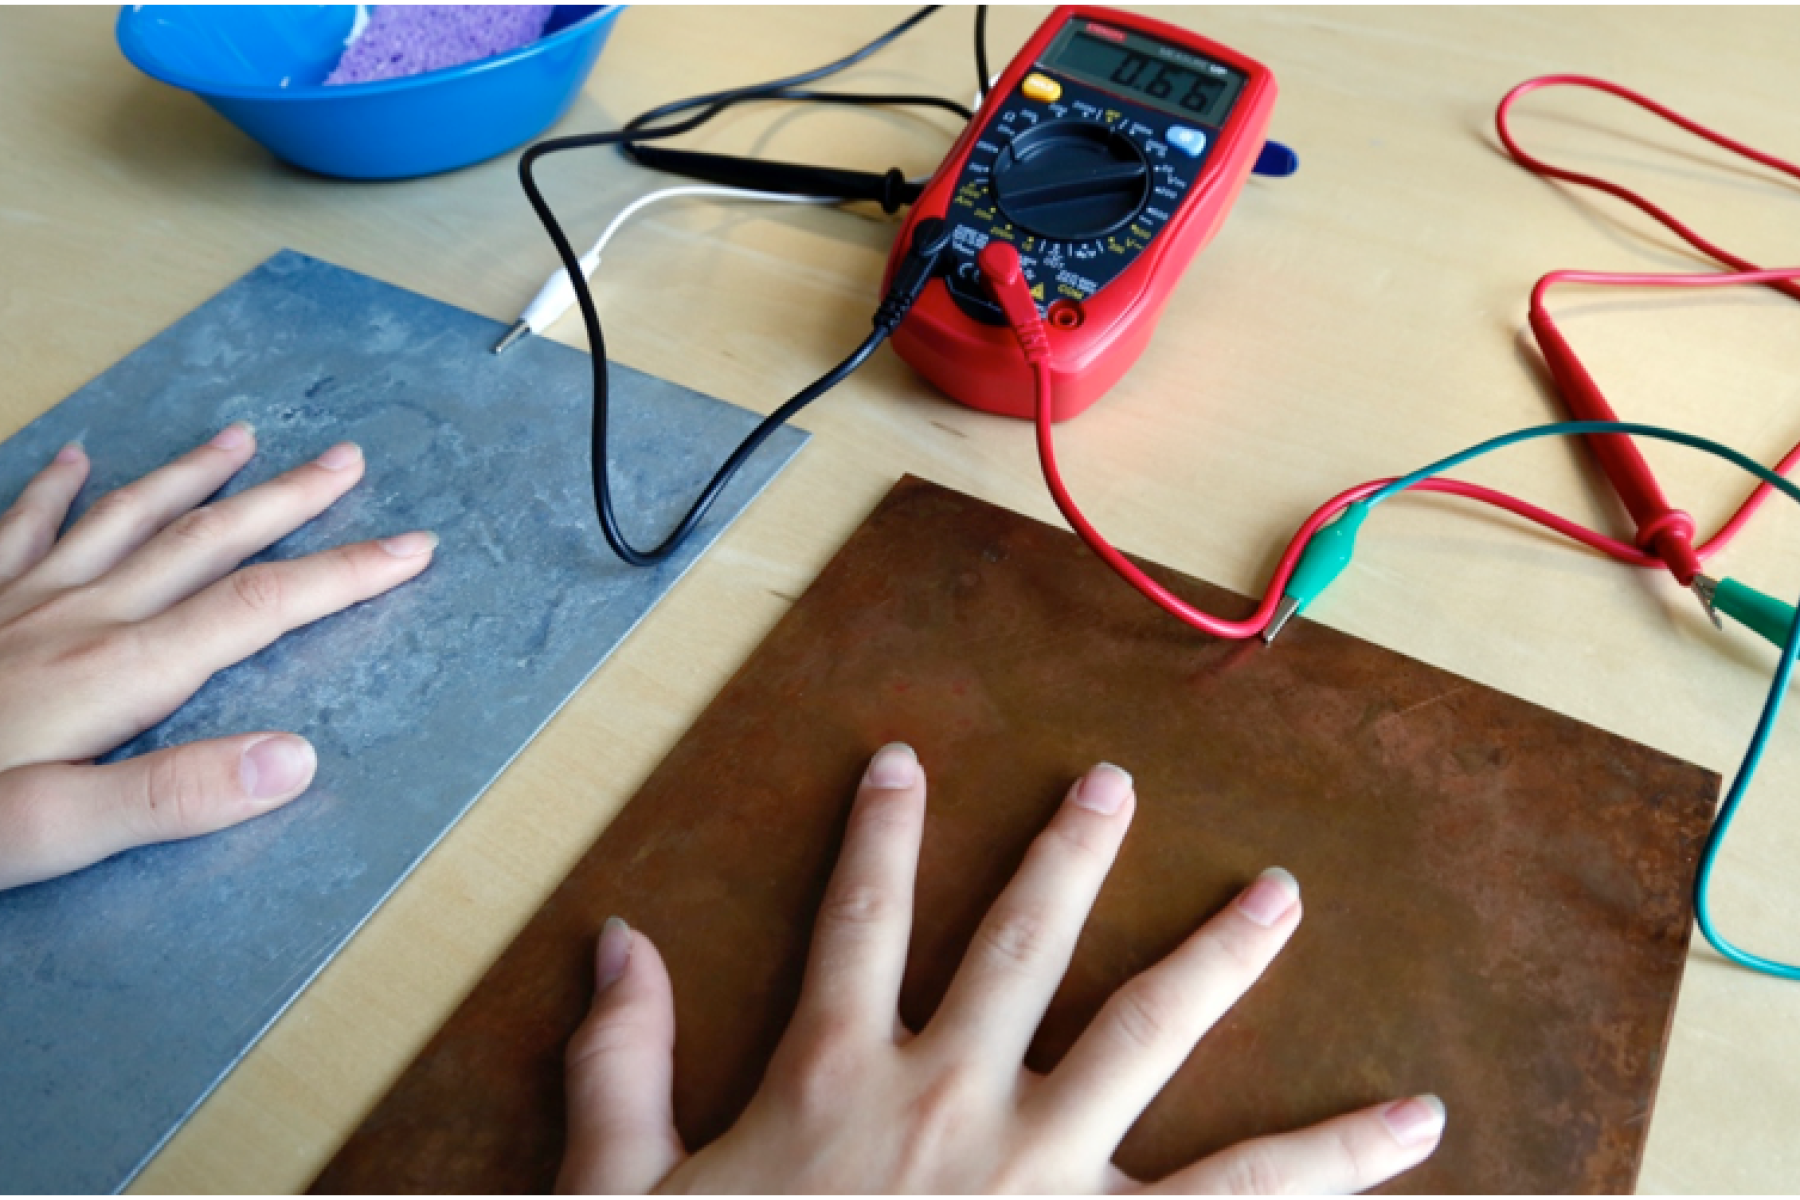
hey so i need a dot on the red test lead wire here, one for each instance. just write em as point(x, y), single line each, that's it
point(1665, 530)
point(1662, 529)
point(1538, 166)
point(999, 265)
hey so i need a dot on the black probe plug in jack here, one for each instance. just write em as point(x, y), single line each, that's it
point(924, 261)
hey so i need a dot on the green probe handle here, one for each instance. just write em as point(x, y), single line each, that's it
point(1326, 555)
point(1765, 614)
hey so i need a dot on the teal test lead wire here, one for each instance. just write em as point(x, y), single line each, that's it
point(1784, 669)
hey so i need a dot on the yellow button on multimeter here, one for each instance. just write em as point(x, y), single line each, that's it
point(1041, 87)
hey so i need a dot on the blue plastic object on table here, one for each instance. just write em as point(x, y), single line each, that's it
point(262, 69)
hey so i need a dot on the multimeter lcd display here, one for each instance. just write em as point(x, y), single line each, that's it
point(1148, 71)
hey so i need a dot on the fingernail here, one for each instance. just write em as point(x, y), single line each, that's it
point(71, 453)
point(410, 545)
point(1268, 899)
point(1102, 789)
point(894, 766)
point(1415, 1120)
point(344, 454)
point(614, 953)
point(236, 434)
point(276, 766)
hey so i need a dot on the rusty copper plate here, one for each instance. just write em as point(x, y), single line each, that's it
point(1497, 896)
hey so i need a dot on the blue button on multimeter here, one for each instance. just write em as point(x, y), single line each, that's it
point(1189, 141)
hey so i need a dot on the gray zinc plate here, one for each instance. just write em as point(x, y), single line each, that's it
point(129, 990)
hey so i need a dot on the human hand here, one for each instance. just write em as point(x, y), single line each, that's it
point(109, 628)
point(854, 1102)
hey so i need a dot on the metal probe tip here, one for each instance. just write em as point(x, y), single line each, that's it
point(1287, 608)
point(519, 330)
point(1704, 590)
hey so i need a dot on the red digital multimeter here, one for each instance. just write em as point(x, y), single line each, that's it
point(1107, 154)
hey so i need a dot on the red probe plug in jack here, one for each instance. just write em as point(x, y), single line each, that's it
point(1004, 275)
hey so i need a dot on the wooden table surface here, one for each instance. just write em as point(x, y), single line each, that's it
point(1352, 322)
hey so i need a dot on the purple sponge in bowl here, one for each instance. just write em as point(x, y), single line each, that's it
point(402, 40)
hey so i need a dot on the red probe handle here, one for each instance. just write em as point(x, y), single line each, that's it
point(1665, 531)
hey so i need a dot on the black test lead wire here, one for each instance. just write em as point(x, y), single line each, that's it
point(930, 240)
point(730, 96)
point(981, 63)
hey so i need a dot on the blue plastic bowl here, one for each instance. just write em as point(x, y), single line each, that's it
point(262, 69)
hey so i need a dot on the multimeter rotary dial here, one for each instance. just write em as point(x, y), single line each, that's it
point(1071, 180)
